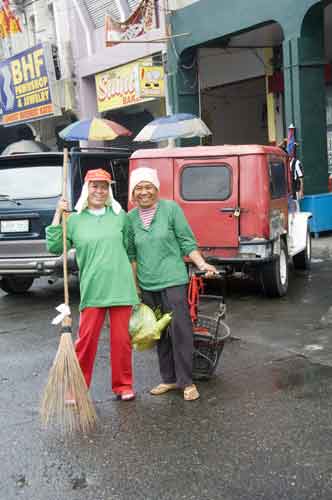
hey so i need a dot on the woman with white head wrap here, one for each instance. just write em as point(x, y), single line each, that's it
point(159, 238)
point(98, 232)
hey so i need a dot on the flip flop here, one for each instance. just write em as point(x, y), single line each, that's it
point(128, 396)
point(190, 393)
point(162, 388)
point(125, 396)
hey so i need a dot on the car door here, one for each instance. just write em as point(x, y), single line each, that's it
point(208, 192)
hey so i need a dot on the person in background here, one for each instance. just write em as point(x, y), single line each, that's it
point(297, 176)
point(296, 170)
point(159, 238)
point(98, 232)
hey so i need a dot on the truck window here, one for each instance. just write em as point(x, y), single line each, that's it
point(206, 182)
point(31, 182)
point(278, 179)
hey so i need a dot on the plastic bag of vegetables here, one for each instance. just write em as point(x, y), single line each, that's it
point(144, 328)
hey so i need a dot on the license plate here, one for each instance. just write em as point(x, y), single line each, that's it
point(14, 226)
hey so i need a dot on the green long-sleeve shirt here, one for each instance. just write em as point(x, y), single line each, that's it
point(106, 277)
point(159, 249)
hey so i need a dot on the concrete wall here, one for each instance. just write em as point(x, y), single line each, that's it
point(223, 66)
point(236, 113)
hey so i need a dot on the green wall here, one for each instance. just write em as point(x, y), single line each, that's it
point(302, 23)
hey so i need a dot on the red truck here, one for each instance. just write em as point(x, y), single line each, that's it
point(238, 201)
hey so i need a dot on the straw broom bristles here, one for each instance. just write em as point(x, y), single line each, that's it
point(65, 377)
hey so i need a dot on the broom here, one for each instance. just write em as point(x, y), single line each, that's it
point(65, 378)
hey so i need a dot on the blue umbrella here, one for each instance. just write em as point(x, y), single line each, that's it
point(177, 126)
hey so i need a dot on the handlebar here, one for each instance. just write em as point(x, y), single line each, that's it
point(218, 274)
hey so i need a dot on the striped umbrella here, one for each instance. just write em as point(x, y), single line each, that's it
point(177, 126)
point(95, 129)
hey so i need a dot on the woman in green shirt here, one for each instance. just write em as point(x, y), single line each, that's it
point(159, 238)
point(98, 232)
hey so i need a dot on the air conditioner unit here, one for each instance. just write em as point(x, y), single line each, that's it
point(63, 94)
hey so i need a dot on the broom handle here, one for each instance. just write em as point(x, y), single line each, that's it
point(64, 226)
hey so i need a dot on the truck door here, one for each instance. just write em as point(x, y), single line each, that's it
point(208, 192)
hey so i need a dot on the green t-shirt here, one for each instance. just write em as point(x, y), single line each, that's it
point(159, 249)
point(106, 277)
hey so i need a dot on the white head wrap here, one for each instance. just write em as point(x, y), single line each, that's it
point(82, 202)
point(142, 174)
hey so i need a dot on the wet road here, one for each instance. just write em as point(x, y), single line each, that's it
point(261, 430)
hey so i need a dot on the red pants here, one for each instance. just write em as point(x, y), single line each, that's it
point(91, 322)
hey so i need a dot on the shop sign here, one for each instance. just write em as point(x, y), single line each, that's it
point(121, 87)
point(151, 81)
point(25, 85)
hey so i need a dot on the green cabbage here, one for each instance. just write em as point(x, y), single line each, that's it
point(144, 328)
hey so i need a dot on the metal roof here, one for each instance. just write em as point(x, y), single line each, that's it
point(207, 151)
point(111, 153)
point(97, 9)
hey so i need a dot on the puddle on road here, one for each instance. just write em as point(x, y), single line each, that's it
point(299, 373)
point(313, 347)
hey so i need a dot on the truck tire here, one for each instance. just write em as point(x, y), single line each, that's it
point(302, 260)
point(16, 285)
point(275, 274)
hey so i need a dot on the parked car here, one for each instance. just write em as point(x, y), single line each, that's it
point(238, 202)
point(30, 186)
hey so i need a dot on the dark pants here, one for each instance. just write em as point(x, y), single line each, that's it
point(175, 347)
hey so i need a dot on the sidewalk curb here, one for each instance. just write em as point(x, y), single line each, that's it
point(321, 248)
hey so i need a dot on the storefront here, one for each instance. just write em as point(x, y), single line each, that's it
point(233, 99)
point(222, 71)
point(111, 41)
point(30, 108)
point(132, 94)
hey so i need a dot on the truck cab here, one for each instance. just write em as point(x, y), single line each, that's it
point(238, 201)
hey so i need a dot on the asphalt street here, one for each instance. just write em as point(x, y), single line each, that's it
point(261, 430)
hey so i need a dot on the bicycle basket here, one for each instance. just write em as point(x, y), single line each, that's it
point(210, 334)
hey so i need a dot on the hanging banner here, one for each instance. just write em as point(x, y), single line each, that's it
point(122, 86)
point(9, 22)
point(25, 85)
point(141, 20)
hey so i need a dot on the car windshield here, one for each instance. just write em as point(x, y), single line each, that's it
point(31, 182)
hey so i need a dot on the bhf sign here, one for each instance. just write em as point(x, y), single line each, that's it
point(25, 85)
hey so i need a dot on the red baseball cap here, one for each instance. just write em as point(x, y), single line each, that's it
point(98, 175)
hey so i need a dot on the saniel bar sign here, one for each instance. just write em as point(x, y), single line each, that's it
point(25, 85)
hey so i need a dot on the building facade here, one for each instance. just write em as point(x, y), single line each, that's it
point(36, 71)
point(251, 71)
point(119, 45)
